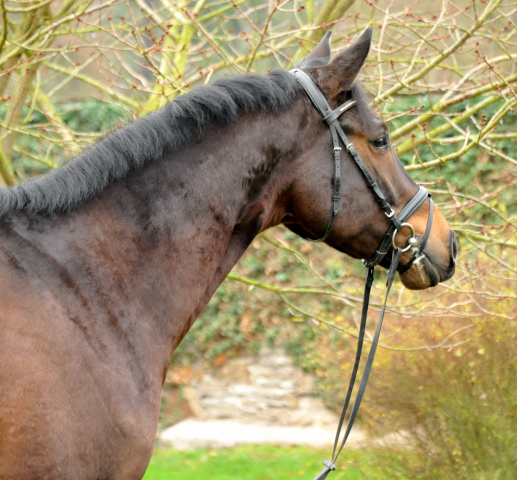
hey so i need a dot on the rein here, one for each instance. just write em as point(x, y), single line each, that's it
point(415, 245)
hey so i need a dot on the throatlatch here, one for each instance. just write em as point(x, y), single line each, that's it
point(415, 245)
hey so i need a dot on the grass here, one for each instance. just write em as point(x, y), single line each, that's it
point(265, 463)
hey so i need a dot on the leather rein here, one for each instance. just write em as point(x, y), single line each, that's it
point(414, 244)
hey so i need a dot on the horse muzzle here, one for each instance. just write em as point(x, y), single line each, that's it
point(431, 266)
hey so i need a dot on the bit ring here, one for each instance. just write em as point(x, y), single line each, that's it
point(397, 231)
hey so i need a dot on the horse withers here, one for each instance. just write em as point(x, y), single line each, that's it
point(106, 262)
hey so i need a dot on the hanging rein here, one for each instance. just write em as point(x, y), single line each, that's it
point(415, 245)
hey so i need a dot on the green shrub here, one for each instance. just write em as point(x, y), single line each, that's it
point(459, 406)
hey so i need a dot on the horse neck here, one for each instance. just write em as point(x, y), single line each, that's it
point(147, 255)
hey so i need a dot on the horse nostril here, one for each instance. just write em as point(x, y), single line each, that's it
point(453, 244)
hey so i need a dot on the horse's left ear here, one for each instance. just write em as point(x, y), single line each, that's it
point(321, 54)
point(339, 75)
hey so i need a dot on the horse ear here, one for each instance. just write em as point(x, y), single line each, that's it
point(339, 75)
point(320, 56)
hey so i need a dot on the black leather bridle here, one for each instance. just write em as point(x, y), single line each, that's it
point(415, 245)
point(330, 117)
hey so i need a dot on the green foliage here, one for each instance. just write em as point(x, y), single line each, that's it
point(92, 116)
point(477, 171)
point(87, 116)
point(459, 406)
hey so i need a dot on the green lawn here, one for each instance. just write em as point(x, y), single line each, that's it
point(263, 463)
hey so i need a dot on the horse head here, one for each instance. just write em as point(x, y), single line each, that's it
point(360, 224)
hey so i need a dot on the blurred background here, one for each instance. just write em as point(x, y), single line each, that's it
point(280, 333)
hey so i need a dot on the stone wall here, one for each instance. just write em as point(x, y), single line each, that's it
point(266, 389)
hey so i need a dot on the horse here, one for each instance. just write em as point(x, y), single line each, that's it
point(107, 261)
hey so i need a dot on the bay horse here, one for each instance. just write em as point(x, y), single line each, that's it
point(107, 261)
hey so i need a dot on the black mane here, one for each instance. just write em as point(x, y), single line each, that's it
point(149, 138)
point(135, 145)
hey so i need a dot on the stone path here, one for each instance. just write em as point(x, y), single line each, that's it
point(191, 434)
point(263, 399)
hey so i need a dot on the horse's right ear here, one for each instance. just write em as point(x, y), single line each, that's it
point(339, 75)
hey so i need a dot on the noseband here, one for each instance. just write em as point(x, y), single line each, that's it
point(399, 221)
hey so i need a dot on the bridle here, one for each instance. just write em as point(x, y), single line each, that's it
point(399, 221)
point(331, 117)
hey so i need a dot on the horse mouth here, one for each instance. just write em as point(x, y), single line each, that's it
point(426, 274)
point(423, 274)
point(429, 269)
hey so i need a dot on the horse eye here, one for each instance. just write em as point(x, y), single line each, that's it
point(381, 143)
